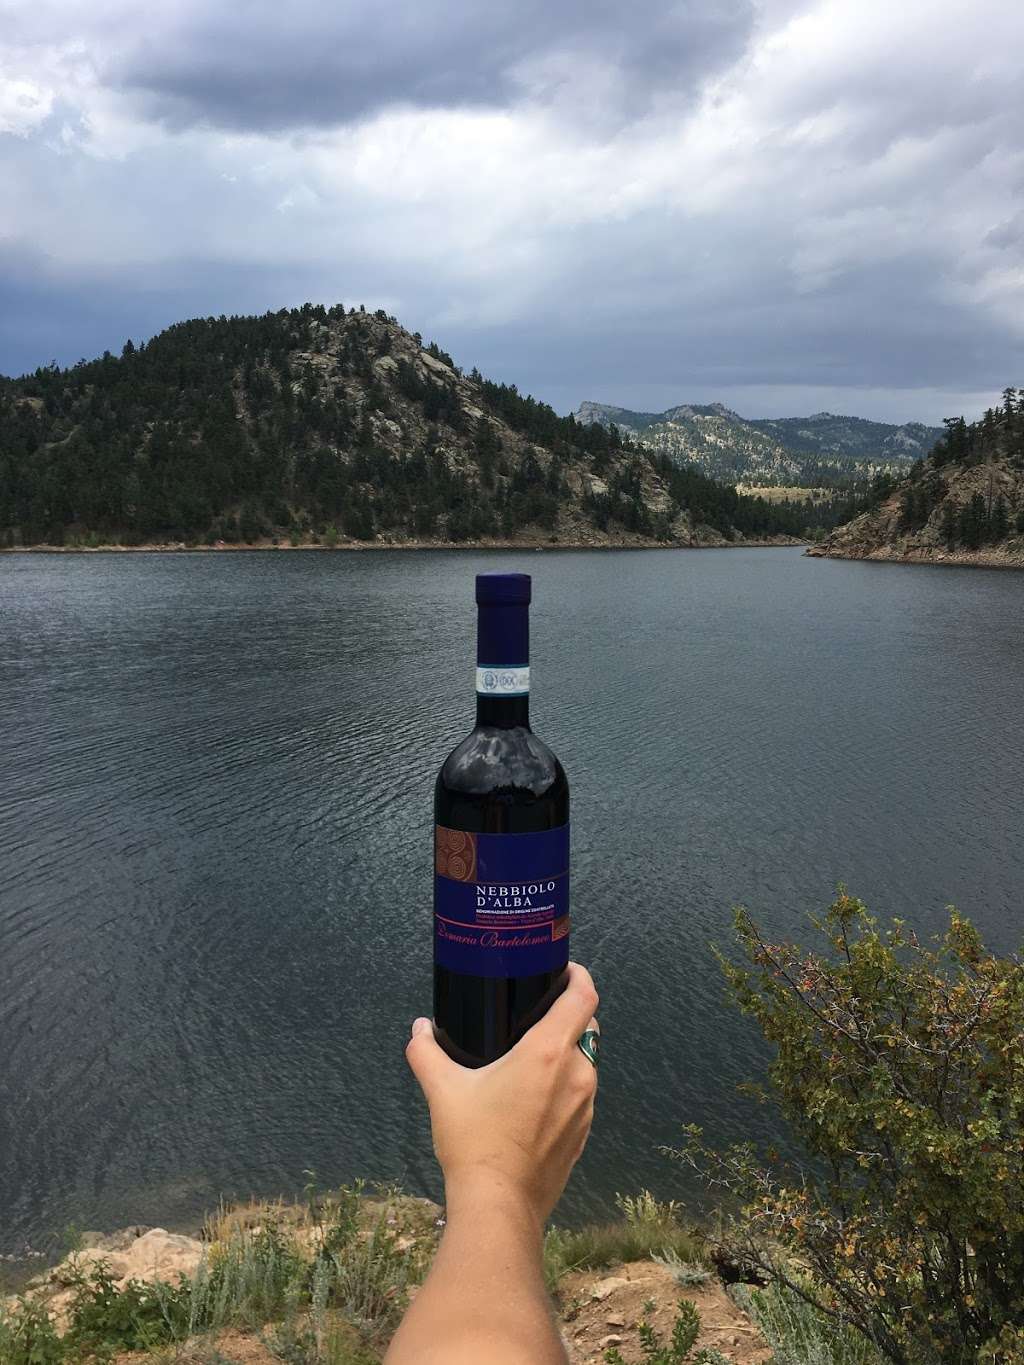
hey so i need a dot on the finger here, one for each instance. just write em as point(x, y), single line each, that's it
point(567, 1017)
point(427, 1059)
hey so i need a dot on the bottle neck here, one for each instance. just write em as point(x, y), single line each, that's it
point(504, 713)
point(503, 665)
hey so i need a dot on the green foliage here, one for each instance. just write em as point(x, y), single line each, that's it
point(685, 1332)
point(27, 1335)
point(919, 499)
point(719, 505)
point(999, 432)
point(252, 1279)
point(137, 1317)
point(333, 1308)
point(948, 525)
point(901, 1068)
point(799, 1333)
point(302, 1342)
point(647, 1228)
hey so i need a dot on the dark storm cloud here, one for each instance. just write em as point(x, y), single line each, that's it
point(318, 64)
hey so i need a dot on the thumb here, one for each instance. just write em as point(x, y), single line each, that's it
point(427, 1059)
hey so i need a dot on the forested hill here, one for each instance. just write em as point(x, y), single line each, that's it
point(963, 504)
point(331, 425)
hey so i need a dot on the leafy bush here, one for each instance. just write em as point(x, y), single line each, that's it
point(901, 1067)
point(135, 1317)
point(27, 1335)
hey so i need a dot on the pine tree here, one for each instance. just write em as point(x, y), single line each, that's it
point(999, 523)
point(948, 525)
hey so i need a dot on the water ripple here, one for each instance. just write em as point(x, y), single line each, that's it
point(215, 785)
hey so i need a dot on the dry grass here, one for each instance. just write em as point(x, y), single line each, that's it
point(646, 1229)
point(788, 493)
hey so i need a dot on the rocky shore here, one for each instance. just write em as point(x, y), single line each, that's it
point(1005, 557)
point(703, 539)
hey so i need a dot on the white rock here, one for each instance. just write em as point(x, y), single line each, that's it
point(432, 363)
point(604, 1288)
point(156, 1255)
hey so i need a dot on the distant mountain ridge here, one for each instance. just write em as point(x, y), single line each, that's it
point(822, 449)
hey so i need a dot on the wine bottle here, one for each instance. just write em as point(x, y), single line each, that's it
point(501, 850)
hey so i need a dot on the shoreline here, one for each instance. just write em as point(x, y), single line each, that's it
point(179, 547)
point(943, 559)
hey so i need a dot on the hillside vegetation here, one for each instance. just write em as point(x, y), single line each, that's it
point(963, 504)
point(331, 425)
point(824, 450)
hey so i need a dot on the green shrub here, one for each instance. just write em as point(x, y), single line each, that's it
point(27, 1335)
point(798, 1333)
point(901, 1068)
point(685, 1332)
point(249, 1281)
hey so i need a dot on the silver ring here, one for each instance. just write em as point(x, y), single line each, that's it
point(590, 1045)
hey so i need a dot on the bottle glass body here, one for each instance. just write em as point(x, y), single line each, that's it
point(501, 814)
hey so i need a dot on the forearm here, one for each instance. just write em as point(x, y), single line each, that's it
point(484, 1298)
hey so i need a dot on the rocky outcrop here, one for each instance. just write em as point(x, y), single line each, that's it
point(141, 1254)
point(968, 515)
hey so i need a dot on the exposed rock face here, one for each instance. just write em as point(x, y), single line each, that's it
point(142, 1254)
point(933, 530)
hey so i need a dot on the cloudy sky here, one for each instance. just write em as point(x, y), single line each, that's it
point(785, 205)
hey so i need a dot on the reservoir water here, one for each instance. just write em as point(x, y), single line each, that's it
point(215, 839)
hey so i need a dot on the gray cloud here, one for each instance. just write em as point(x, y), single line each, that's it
point(774, 210)
point(1009, 235)
point(318, 64)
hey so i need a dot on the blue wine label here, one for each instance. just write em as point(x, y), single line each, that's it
point(501, 902)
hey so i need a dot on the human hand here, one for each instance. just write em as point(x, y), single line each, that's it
point(516, 1127)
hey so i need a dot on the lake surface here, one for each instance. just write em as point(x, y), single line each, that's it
point(215, 854)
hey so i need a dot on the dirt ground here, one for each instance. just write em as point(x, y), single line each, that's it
point(603, 1310)
point(236, 1347)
